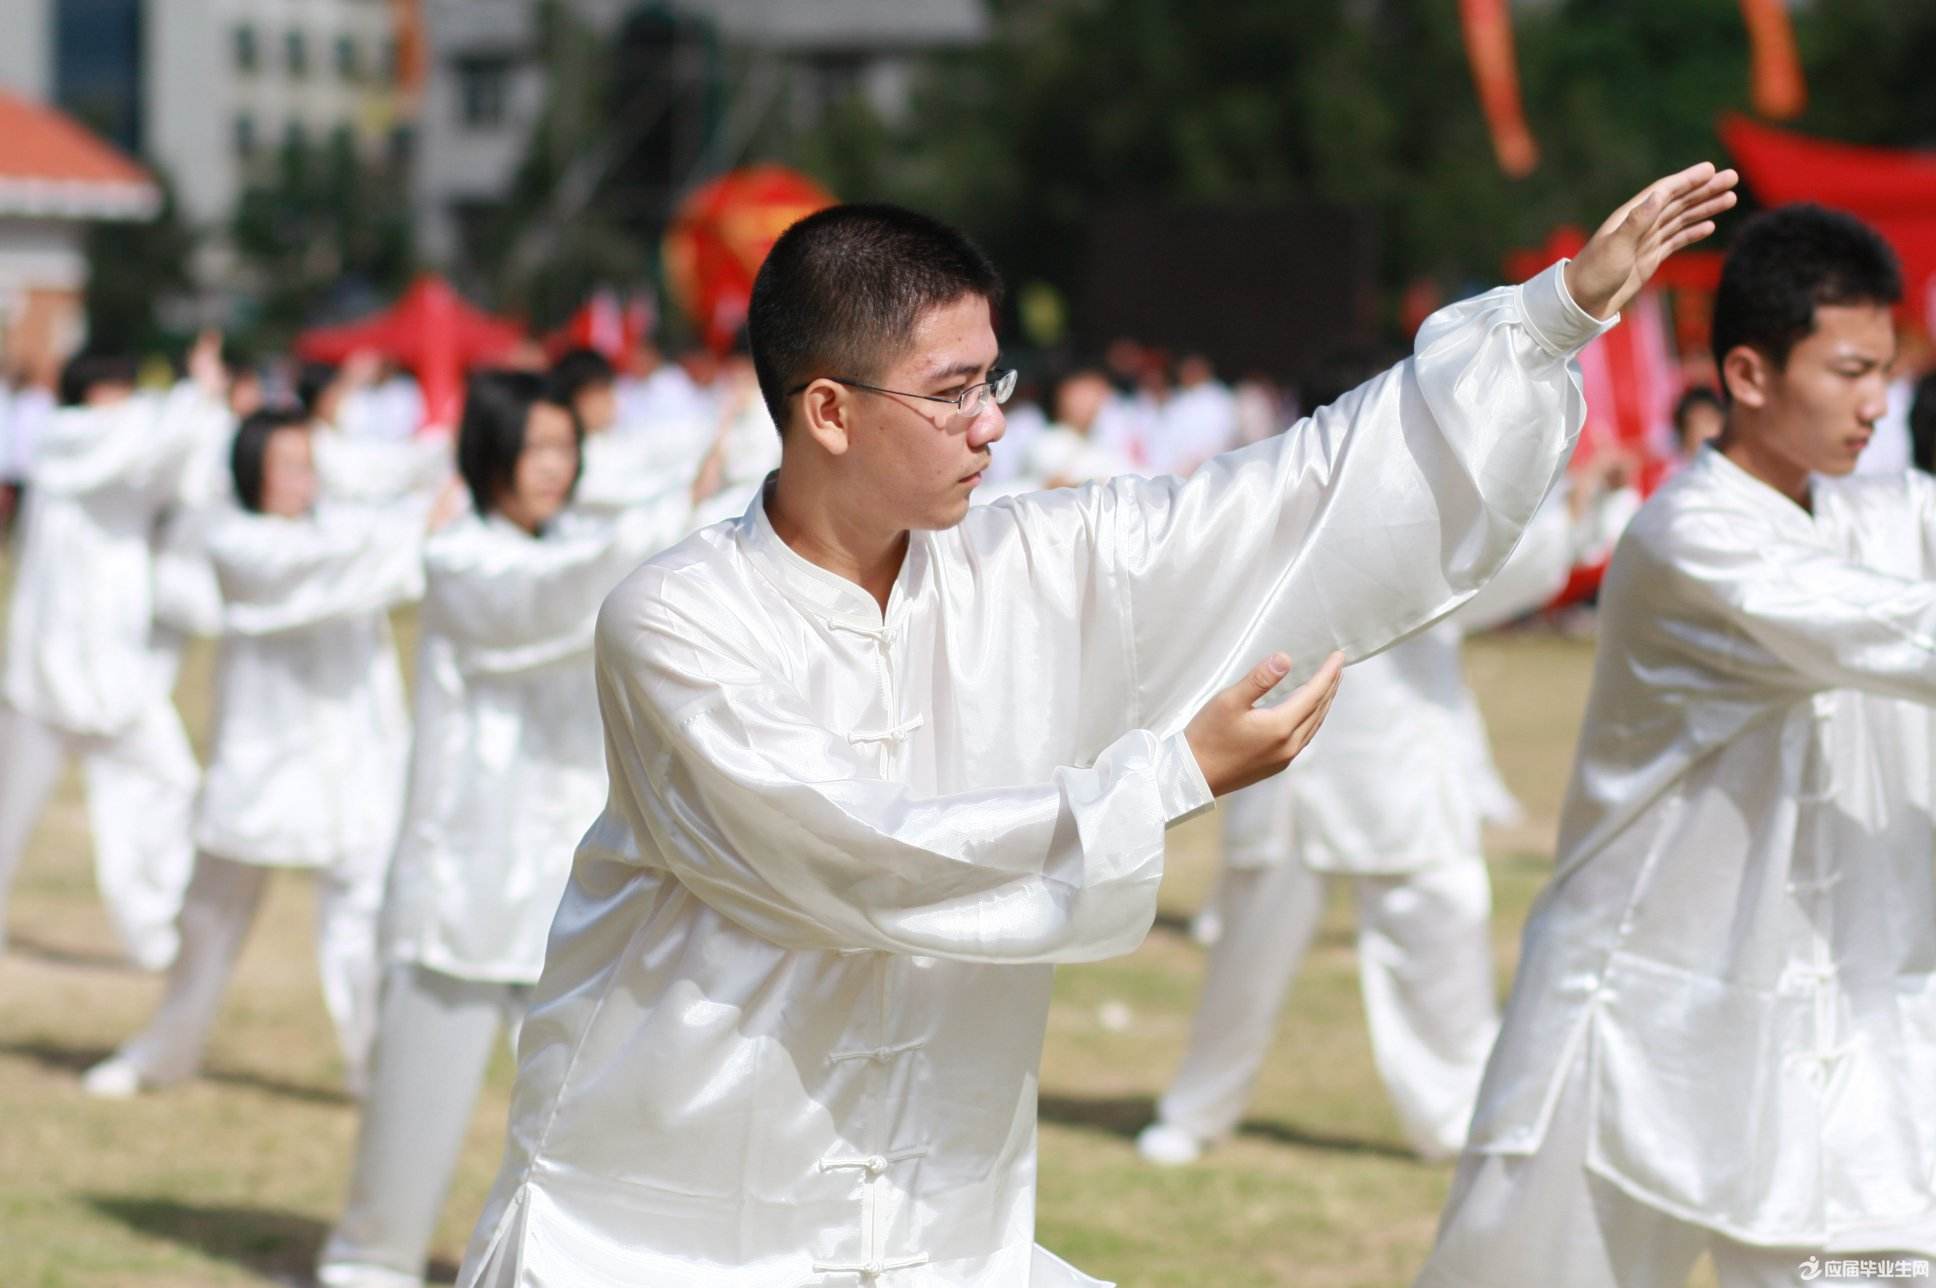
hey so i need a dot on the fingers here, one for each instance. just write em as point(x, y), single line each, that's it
point(1262, 679)
point(1704, 202)
point(1307, 698)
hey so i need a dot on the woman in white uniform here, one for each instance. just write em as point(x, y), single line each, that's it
point(310, 740)
point(86, 675)
point(507, 774)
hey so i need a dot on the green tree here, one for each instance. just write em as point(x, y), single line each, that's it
point(132, 269)
point(324, 218)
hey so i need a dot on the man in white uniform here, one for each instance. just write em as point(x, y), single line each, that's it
point(1722, 1038)
point(1392, 796)
point(879, 760)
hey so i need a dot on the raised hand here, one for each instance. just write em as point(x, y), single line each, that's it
point(1237, 743)
point(1665, 216)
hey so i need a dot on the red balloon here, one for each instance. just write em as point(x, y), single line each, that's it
point(720, 237)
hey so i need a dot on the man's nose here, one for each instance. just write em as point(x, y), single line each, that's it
point(987, 427)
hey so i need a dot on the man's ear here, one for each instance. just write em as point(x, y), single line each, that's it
point(1748, 374)
point(826, 414)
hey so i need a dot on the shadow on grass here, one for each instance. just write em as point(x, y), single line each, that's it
point(65, 955)
point(78, 1060)
point(281, 1246)
point(1124, 1116)
point(1328, 937)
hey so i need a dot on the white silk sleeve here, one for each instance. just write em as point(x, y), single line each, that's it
point(756, 808)
point(513, 607)
point(284, 575)
point(1786, 615)
point(1364, 522)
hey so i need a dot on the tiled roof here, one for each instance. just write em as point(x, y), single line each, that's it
point(52, 165)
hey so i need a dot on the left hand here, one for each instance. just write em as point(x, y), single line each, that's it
point(1630, 246)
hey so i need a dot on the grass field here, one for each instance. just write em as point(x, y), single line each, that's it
point(234, 1179)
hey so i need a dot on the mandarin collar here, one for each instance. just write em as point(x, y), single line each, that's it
point(819, 591)
point(1726, 474)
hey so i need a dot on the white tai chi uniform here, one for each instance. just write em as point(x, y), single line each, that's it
point(306, 768)
point(793, 1005)
point(365, 470)
point(1723, 1031)
point(1387, 795)
point(85, 674)
point(507, 772)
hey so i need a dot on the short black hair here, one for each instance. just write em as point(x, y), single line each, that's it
point(490, 435)
point(1922, 425)
point(1788, 261)
point(578, 370)
point(313, 380)
point(251, 447)
point(92, 367)
point(1696, 396)
point(841, 291)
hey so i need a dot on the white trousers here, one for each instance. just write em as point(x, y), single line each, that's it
point(1529, 1221)
point(140, 800)
point(1425, 965)
point(216, 915)
point(433, 1045)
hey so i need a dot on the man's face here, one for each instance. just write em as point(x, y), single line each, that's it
point(917, 460)
point(1818, 411)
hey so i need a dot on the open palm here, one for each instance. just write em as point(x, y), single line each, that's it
point(1637, 238)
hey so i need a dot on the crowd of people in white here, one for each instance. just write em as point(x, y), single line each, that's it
point(440, 826)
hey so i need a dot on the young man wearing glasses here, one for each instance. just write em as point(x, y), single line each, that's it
point(879, 761)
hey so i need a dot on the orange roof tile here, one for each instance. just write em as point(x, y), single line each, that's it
point(50, 164)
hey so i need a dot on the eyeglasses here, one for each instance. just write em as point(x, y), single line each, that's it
point(971, 401)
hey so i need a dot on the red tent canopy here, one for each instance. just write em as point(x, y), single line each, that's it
point(1894, 190)
point(432, 332)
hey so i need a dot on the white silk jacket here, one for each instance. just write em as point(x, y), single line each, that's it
point(1398, 778)
point(508, 767)
point(81, 652)
point(791, 1018)
point(1740, 940)
point(311, 733)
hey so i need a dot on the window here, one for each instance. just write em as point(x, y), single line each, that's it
point(245, 137)
point(295, 138)
point(349, 59)
point(483, 91)
point(296, 54)
point(248, 55)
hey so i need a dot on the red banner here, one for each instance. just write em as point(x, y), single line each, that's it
point(1775, 70)
point(1495, 71)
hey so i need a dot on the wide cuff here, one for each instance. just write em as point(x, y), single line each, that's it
point(1555, 318)
point(1181, 787)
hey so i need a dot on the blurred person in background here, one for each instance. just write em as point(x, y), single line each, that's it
point(624, 471)
point(1698, 419)
point(506, 773)
point(308, 748)
point(28, 402)
point(87, 674)
point(1392, 796)
point(1196, 421)
point(1067, 453)
point(366, 468)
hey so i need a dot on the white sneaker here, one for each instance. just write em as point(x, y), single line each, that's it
point(1168, 1146)
point(112, 1079)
